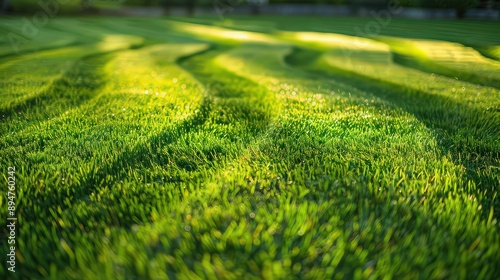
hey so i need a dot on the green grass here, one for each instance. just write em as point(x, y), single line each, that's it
point(269, 148)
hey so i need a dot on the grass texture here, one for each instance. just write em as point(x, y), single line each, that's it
point(252, 148)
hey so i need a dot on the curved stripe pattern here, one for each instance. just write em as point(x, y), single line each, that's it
point(166, 149)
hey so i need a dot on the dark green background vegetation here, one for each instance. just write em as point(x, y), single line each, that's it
point(30, 5)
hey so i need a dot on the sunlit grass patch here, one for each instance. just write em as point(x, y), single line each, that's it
point(445, 58)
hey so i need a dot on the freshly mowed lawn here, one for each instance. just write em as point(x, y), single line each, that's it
point(272, 147)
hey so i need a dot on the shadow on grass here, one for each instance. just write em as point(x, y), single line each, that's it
point(430, 67)
point(160, 149)
point(78, 85)
point(464, 132)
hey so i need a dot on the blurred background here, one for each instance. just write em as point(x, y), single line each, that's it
point(479, 9)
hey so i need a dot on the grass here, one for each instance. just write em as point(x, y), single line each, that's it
point(253, 148)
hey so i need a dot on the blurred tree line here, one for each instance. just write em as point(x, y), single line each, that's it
point(26, 6)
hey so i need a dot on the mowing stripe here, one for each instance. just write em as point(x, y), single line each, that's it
point(52, 86)
point(100, 137)
point(445, 58)
point(457, 121)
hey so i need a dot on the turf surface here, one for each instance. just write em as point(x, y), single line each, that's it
point(274, 148)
